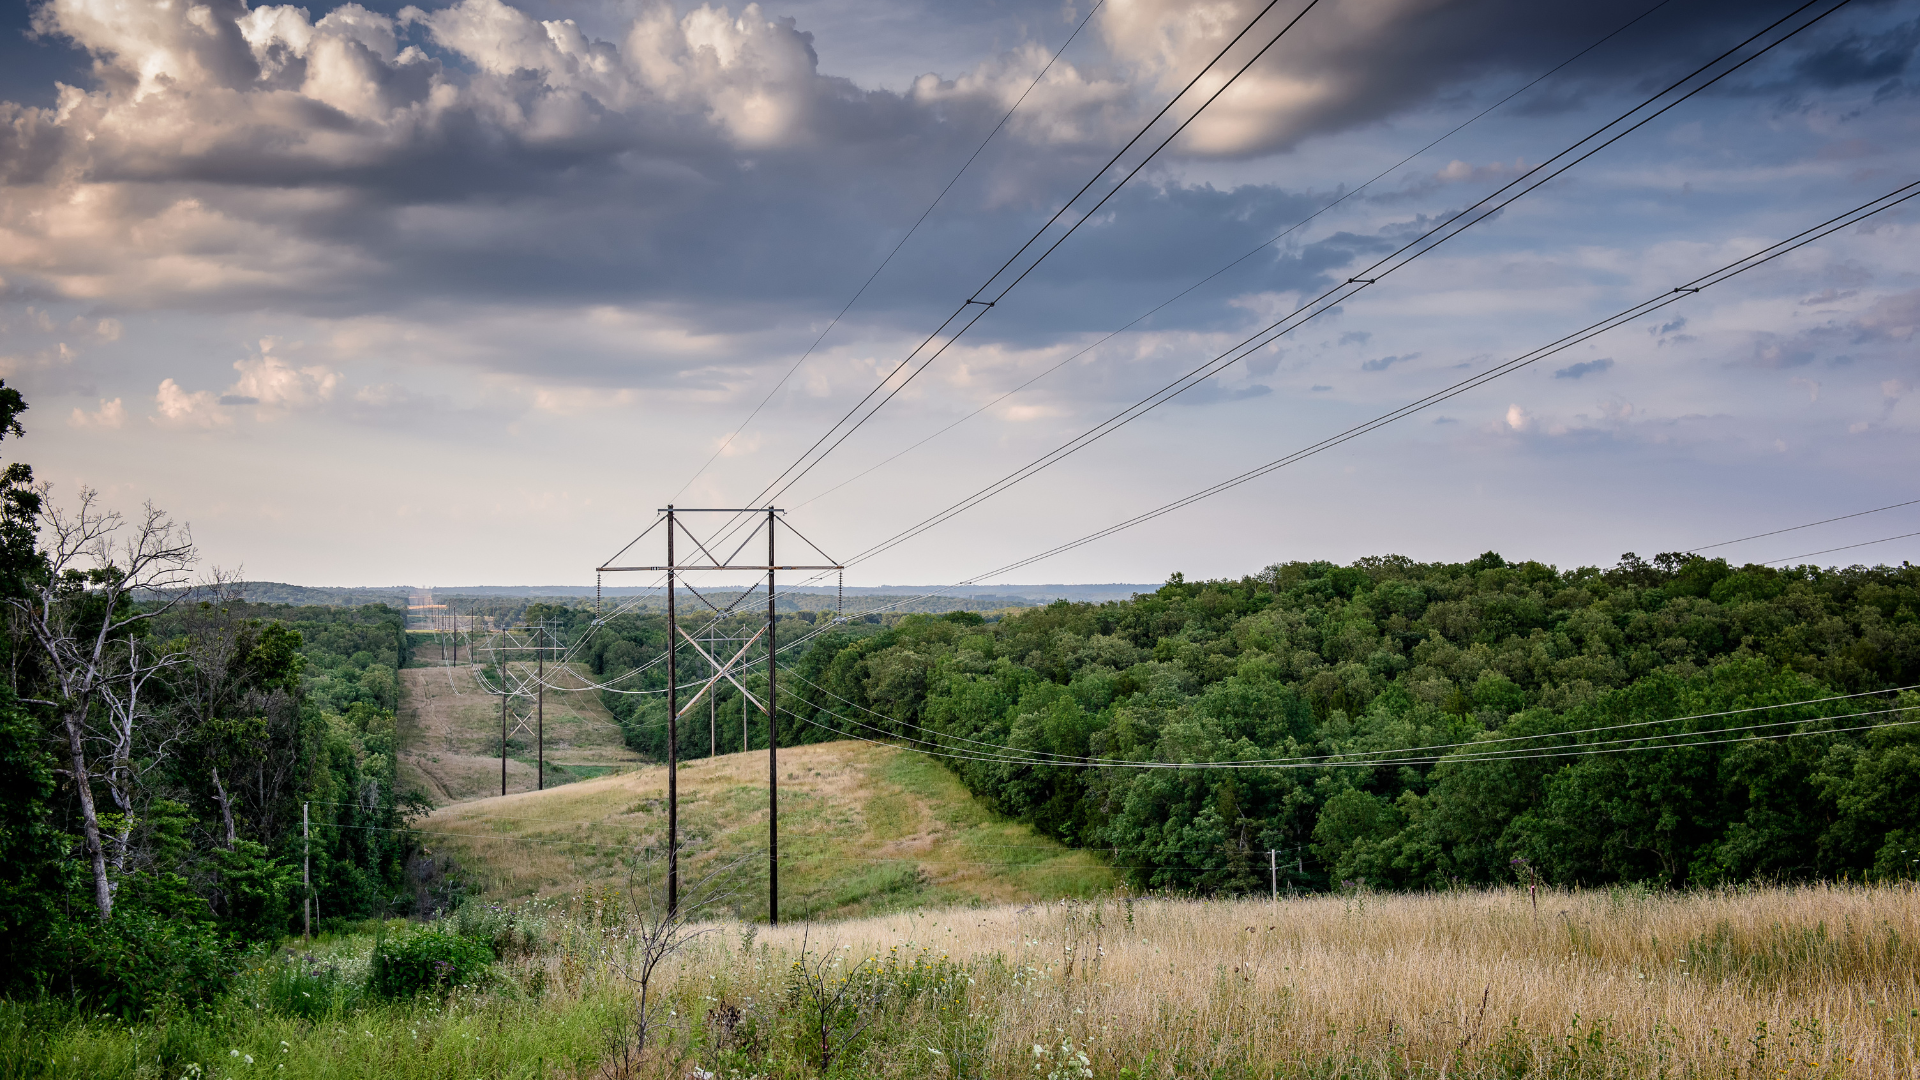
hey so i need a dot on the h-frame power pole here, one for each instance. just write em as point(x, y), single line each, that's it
point(727, 669)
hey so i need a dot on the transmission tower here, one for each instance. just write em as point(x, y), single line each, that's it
point(722, 670)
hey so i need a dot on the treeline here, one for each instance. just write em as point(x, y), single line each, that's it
point(158, 745)
point(1504, 674)
point(626, 656)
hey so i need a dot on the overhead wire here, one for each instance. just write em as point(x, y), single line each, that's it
point(915, 227)
point(1430, 239)
point(783, 482)
point(1541, 755)
point(1346, 194)
point(1857, 214)
point(1844, 547)
point(1808, 525)
point(1637, 311)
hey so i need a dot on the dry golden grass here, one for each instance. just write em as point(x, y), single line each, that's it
point(450, 732)
point(863, 828)
point(1815, 981)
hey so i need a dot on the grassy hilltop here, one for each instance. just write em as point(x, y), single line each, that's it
point(863, 829)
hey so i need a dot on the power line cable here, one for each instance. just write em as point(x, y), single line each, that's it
point(861, 291)
point(1571, 752)
point(1264, 245)
point(1450, 227)
point(781, 482)
point(1846, 547)
point(1859, 213)
point(1808, 525)
point(1640, 310)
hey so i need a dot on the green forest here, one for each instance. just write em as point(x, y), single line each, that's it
point(158, 747)
point(1329, 663)
point(1551, 697)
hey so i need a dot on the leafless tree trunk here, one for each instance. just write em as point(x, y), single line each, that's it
point(83, 618)
point(226, 808)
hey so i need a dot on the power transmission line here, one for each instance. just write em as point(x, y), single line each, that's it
point(788, 477)
point(1846, 547)
point(1426, 242)
point(861, 291)
point(1264, 245)
point(1646, 307)
point(1809, 525)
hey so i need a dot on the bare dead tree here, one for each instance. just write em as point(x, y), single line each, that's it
point(210, 684)
point(654, 933)
point(839, 1005)
point(105, 579)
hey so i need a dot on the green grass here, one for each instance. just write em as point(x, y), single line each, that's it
point(864, 830)
point(511, 1028)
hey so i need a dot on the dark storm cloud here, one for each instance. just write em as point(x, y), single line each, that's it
point(365, 159)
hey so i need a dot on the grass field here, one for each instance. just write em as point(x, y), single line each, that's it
point(1808, 982)
point(1742, 984)
point(863, 828)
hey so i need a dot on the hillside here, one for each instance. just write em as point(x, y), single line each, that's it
point(449, 730)
point(863, 829)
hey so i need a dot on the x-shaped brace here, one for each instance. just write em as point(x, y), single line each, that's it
point(723, 671)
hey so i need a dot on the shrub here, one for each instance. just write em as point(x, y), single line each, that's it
point(511, 931)
point(136, 961)
point(308, 987)
point(425, 959)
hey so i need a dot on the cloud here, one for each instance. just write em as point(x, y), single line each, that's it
point(1584, 368)
point(109, 416)
point(1518, 418)
point(1350, 64)
point(1385, 362)
point(271, 383)
point(181, 409)
point(227, 156)
point(1890, 318)
point(1854, 59)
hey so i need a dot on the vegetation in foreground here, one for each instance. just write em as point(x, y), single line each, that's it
point(1740, 982)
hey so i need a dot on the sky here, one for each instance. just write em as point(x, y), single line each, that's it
point(462, 293)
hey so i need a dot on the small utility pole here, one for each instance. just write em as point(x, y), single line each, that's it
point(306, 875)
point(503, 727)
point(1273, 867)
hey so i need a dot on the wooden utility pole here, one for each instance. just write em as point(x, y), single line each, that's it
point(540, 716)
point(773, 745)
point(306, 875)
point(673, 735)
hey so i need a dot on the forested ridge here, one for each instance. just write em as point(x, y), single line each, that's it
point(1315, 659)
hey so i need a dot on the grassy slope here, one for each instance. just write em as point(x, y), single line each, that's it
point(450, 733)
point(863, 829)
